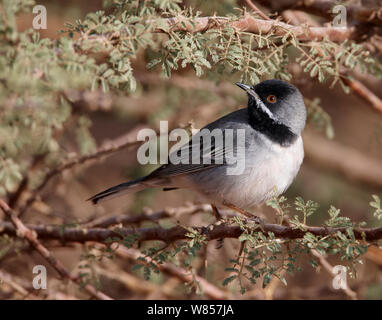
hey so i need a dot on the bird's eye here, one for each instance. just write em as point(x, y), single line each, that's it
point(271, 98)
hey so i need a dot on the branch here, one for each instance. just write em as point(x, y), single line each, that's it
point(247, 23)
point(10, 281)
point(363, 92)
point(25, 288)
point(126, 219)
point(259, 26)
point(329, 268)
point(323, 8)
point(210, 290)
point(374, 254)
point(256, 10)
point(355, 85)
point(24, 232)
point(253, 25)
point(133, 283)
point(81, 235)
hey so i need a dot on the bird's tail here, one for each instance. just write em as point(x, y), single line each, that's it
point(119, 190)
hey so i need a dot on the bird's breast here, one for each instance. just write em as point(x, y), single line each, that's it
point(269, 170)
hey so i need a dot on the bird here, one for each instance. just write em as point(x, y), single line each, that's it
point(267, 158)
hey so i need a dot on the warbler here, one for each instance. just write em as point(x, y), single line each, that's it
point(263, 162)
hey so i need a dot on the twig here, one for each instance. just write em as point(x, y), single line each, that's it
point(24, 232)
point(8, 279)
point(323, 8)
point(131, 282)
point(15, 197)
point(298, 18)
point(374, 254)
point(247, 23)
point(125, 219)
point(210, 290)
point(253, 25)
point(25, 288)
point(329, 268)
point(355, 85)
point(214, 232)
point(134, 283)
point(362, 91)
point(326, 265)
point(257, 10)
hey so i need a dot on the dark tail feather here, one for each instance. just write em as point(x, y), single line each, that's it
point(119, 190)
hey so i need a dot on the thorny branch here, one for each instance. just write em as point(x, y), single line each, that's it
point(247, 23)
point(355, 85)
point(324, 8)
point(365, 93)
point(267, 25)
point(23, 231)
point(256, 10)
point(254, 25)
point(124, 219)
point(213, 232)
point(25, 288)
point(210, 290)
point(329, 268)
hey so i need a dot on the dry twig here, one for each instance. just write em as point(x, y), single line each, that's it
point(257, 10)
point(213, 232)
point(253, 25)
point(210, 290)
point(125, 219)
point(365, 14)
point(329, 268)
point(365, 93)
point(24, 232)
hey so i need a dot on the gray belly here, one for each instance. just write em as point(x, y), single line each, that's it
point(268, 171)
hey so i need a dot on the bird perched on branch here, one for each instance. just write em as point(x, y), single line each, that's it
point(257, 157)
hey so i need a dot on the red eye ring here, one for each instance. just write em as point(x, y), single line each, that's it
point(271, 98)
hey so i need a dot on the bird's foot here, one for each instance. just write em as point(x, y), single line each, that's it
point(220, 221)
point(216, 213)
point(245, 213)
point(257, 220)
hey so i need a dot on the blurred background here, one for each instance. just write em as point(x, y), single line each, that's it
point(343, 170)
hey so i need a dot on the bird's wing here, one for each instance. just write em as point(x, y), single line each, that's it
point(212, 152)
point(189, 160)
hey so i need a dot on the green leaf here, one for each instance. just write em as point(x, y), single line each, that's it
point(228, 280)
point(267, 279)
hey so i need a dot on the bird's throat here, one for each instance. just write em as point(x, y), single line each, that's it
point(277, 132)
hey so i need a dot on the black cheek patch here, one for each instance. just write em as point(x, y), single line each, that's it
point(277, 132)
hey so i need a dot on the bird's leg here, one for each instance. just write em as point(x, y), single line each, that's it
point(243, 212)
point(237, 209)
point(216, 213)
point(219, 218)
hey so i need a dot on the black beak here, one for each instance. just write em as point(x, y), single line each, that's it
point(243, 86)
point(248, 89)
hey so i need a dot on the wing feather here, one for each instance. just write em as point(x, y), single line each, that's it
point(210, 155)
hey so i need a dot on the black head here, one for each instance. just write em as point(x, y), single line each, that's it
point(277, 109)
